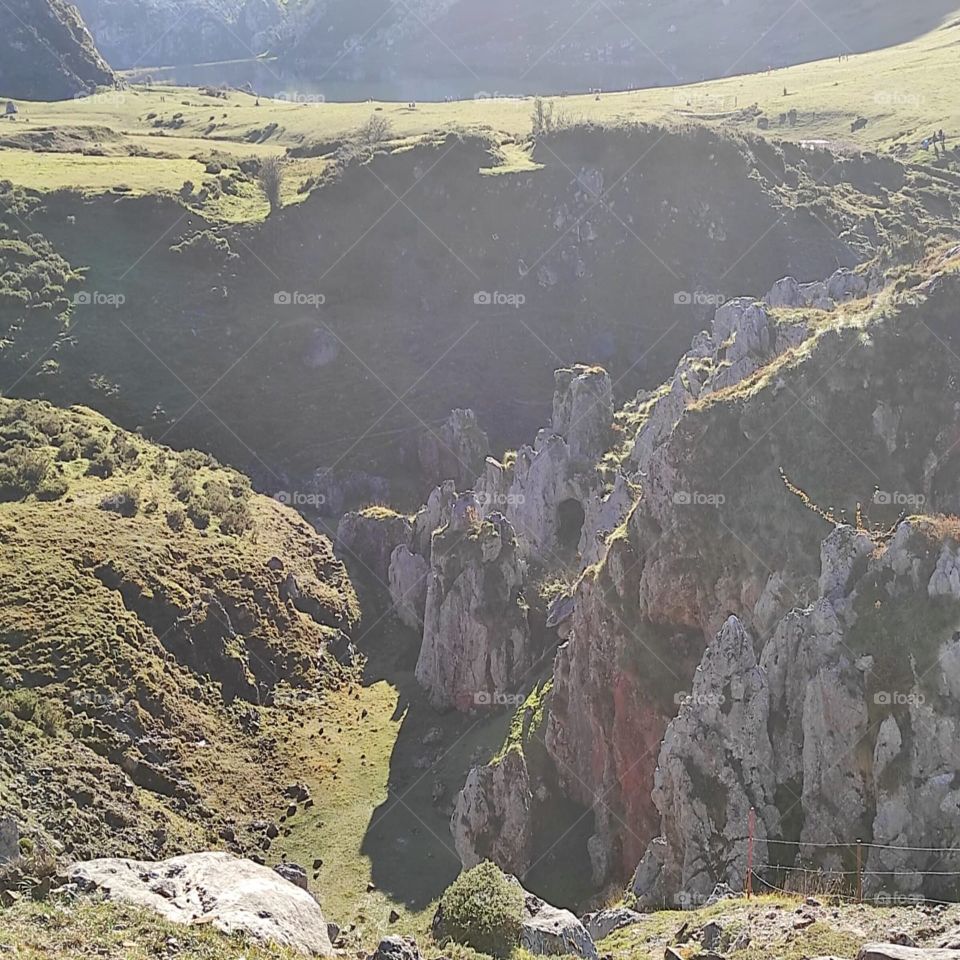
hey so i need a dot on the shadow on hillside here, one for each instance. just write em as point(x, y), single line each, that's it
point(408, 839)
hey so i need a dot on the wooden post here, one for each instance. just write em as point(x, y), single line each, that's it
point(859, 872)
point(751, 823)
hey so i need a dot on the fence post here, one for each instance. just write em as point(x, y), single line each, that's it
point(859, 871)
point(751, 823)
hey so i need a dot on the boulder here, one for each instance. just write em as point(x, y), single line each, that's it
point(233, 894)
point(397, 948)
point(893, 951)
point(604, 922)
point(550, 931)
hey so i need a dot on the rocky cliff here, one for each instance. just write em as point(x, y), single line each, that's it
point(728, 651)
point(48, 53)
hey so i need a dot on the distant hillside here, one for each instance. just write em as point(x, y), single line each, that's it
point(47, 53)
point(431, 49)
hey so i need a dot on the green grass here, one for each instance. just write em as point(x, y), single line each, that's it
point(903, 92)
point(75, 930)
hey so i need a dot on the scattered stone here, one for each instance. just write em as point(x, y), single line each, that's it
point(333, 931)
point(711, 935)
point(233, 894)
point(394, 916)
point(397, 948)
point(294, 873)
point(902, 939)
point(9, 839)
point(604, 922)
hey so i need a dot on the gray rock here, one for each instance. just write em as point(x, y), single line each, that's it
point(893, 951)
point(369, 537)
point(397, 948)
point(233, 894)
point(604, 922)
point(294, 873)
point(455, 451)
point(9, 839)
point(491, 819)
point(408, 577)
point(476, 638)
point(549, 931)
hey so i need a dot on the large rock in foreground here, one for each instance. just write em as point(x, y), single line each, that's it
point(235, 895)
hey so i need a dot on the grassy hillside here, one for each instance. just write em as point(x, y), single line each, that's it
point(141, 626)
point(903, 93)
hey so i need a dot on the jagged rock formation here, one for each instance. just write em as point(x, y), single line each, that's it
point(369, 537)
point(48, 53)
point(455, 451)
point(860, 725)
point(235, 895)
point(545, 491)
point(492, 817)
point(714, 533)
point(476, 638)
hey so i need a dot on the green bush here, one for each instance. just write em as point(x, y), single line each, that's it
point(28, 707)
point(126, 502)
point(482, 909)
point(176, 519)
point(22, 471)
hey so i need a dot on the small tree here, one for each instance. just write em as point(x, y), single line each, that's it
point(376, 130)
point(270, 179)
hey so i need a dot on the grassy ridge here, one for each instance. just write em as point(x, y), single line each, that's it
point(903, 93)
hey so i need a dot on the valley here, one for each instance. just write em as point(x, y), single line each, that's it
point(494, 527)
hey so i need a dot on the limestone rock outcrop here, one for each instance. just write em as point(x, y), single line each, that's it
point(369, 537)
point(235, 895)
point(492, 817)
point(476, 638)
point(839, 718)
point(455, 451)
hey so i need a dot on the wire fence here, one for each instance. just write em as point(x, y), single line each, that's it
point(846, 882)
